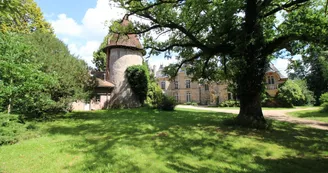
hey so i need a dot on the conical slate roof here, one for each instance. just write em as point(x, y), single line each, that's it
point(123, 40)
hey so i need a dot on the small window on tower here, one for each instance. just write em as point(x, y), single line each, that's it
point(206, 87)
point(97, 98)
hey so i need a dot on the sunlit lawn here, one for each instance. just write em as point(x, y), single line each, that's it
point(143, 140)
point(311, 114)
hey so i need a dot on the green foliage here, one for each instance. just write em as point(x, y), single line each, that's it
point(146, 140)
point(10, 128)
point(191, 103)
point(324, 98)
point(154, 94)
point(73, 77)
point(309, 97)
point(229, 103)
point(39, 75)
point(313, 67)
point(138, 78)
point(168, 103)
point(290, 94)
point(99, 56)
point(213, 41)
point(22, 16)
point(26, 88)
point(324, 102)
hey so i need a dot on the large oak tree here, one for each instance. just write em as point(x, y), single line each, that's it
point(240, 34)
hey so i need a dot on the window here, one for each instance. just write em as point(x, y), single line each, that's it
point(97, 98)
point(188, 97)
point(270, 80)
point(176, 85)
point(187, 83)
point(163, 85)
point(206, 87)
point(230, 96)
point(176, 95)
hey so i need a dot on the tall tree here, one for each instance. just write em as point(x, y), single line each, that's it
point(312, 67)
point(22, 16)
point(244, 33)
point(99, 56)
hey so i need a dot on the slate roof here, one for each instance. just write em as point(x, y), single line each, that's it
point(104, 84)
point(123, 40)
point(272, 68)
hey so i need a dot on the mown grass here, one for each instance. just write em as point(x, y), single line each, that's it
point(311, 114)
point(142, 140)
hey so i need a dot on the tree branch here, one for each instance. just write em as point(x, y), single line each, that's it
point(197, 55)
point(281, 42)
point(172, 46)
point(281, 7)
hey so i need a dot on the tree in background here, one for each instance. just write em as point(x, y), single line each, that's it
point(99, 56)
point(23, 16)
point(25, 88)
point(38, 73)
point(313, 68)
point(241, 33)
point(73, 75)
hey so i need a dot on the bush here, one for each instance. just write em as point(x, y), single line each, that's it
point(229, 103)
point(324, 102)
point(11, 127)
point(194, 103)
point(324, 98)
point(154, 95)
point(138, 78)
point(168, 103)
point(290, 94)
point(191, 103)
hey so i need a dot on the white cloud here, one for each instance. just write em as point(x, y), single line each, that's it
point(66, 26)
point(84, 37)
point(84, 51)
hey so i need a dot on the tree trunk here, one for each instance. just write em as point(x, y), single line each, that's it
point(9, 106)
point(250, 110)
point(250, 87)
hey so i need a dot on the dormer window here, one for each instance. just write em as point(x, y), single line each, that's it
point(163, 85)
point(270, 80)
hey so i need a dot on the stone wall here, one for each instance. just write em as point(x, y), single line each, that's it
point(120, 59)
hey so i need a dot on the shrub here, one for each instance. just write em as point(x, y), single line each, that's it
point(154, 95)
point(194, 103)
point(168, 103)
point(191, 103)
point(138, 78)
point(324, 102)
point(10, 128)
point(229, 103)
point(324, 98)
point(290, 94)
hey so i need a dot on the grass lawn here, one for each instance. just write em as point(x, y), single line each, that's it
point(142, 140)
point(311, 114)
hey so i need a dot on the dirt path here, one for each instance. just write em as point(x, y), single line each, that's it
point(280, 115)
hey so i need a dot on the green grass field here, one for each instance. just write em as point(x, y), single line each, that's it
point(142, 140)
point(311, 114)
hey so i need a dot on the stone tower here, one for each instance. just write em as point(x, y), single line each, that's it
point(122, 52)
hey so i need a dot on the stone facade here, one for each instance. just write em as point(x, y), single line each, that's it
point(212, 93)
point(184, 90)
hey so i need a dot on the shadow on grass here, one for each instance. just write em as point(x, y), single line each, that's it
point(142, 140)
point(314, 114)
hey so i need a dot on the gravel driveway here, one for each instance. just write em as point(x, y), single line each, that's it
point(280, 115)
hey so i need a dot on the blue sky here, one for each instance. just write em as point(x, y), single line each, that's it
point(81, 25)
